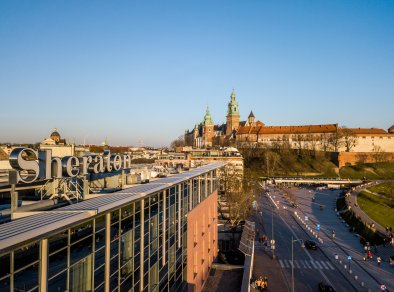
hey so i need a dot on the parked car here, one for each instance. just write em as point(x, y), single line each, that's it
point(310, 244)
point(324, 287)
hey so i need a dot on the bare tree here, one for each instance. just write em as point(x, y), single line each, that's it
point(236, 195)
point(178, 142)
point(378, 154)
point(349, 140)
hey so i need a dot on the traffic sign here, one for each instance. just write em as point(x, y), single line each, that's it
point(306, 218)
point(349, 258)
point(318, 227)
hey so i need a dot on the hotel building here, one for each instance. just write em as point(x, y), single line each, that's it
point(160, 236)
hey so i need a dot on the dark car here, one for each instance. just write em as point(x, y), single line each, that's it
point(309, 244)
point(324, 287)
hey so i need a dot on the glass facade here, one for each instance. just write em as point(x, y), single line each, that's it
point(137, 246)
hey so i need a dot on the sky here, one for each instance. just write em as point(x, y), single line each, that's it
point(141, 72)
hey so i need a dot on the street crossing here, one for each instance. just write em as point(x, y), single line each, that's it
point(306, 264)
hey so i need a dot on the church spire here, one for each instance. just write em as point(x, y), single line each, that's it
point(233, 105)
point(207, 118)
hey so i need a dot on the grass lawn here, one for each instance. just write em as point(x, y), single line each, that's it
point(382, 170)
point(377, 208)
point(385, 189)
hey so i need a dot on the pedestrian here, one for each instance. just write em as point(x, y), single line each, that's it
point(379, 260)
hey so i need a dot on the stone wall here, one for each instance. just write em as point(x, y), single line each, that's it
point(352, 158)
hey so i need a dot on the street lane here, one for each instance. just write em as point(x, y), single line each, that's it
point(310, 267)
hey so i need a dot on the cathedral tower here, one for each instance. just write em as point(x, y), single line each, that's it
point(232, 117)
point(208, 128)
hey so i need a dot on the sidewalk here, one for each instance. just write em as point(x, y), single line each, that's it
point(264, 265)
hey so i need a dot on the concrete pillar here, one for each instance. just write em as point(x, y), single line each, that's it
point(85, 186)
point(14, 201)
point(211, 184)
point(107, 270)
point(43, 266)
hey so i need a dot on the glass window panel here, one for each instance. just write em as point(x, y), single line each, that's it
point(57, 262)
point(126, 284)
point(81, 249)
point(26, 279)
point(126, 254)
point(99, 258)
point(114, 217)
point(81, 231)
point(58, 241)
point(81, 275)
point(26, 256)
point(5, 265)
point(100, 223)
point(99, 277)
point(58, 283)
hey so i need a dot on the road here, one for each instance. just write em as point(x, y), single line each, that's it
point(314, 266)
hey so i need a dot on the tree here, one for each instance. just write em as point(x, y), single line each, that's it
point(236, 194)
point(349, 140)
point(378, 154)
point(178, 142)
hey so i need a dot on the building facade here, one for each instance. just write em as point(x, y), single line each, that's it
point(324, 137)
point(144, 238)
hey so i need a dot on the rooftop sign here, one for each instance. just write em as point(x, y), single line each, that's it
point(31, 165)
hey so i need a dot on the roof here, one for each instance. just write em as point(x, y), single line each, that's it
point(251, 115)
point(330, 128)
point(26, 229)
point(366, 131)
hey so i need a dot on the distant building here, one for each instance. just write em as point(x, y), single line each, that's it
point(57, 145)
point(323, 137)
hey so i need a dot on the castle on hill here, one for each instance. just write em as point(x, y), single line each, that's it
point(324, 137)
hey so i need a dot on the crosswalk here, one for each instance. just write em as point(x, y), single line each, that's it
point(306, 264)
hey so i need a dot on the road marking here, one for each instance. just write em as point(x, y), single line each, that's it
point(318, 264)
point(309, 266)
point(303, 264)
point(281, 264)
point(286, 264)
point(313, 264)
point(331, 267)
point(324, 265)
point(298, 266)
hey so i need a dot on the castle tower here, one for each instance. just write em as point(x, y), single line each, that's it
point(251, 119)
point(208, 128)
point(232, 117)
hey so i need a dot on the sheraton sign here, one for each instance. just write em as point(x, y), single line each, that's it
point(31, 164)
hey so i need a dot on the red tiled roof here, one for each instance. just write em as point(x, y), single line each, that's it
point(366, 131)
point(330, 128)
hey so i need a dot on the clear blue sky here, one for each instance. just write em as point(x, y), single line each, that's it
point(145, 70)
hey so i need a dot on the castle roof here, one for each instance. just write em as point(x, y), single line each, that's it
point(251, 115)
point(366, 131)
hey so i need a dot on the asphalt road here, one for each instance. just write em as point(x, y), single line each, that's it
point(310, 266)
point(314, 266)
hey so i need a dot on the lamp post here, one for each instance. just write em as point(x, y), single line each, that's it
point(292, 259)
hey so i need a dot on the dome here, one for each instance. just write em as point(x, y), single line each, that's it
point(55, 133)
point(391, 130)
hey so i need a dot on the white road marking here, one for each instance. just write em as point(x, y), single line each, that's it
point(286, 264)
point(331, 267)
point(298, 266)
point(313, 264)
point(324, 265)
point(281, 264)
point(318, 264)
point(303, 264)
point(309, 266)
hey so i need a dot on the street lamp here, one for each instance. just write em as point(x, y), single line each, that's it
point(292, 259)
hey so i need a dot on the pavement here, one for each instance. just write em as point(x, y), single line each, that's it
point(264, 265)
